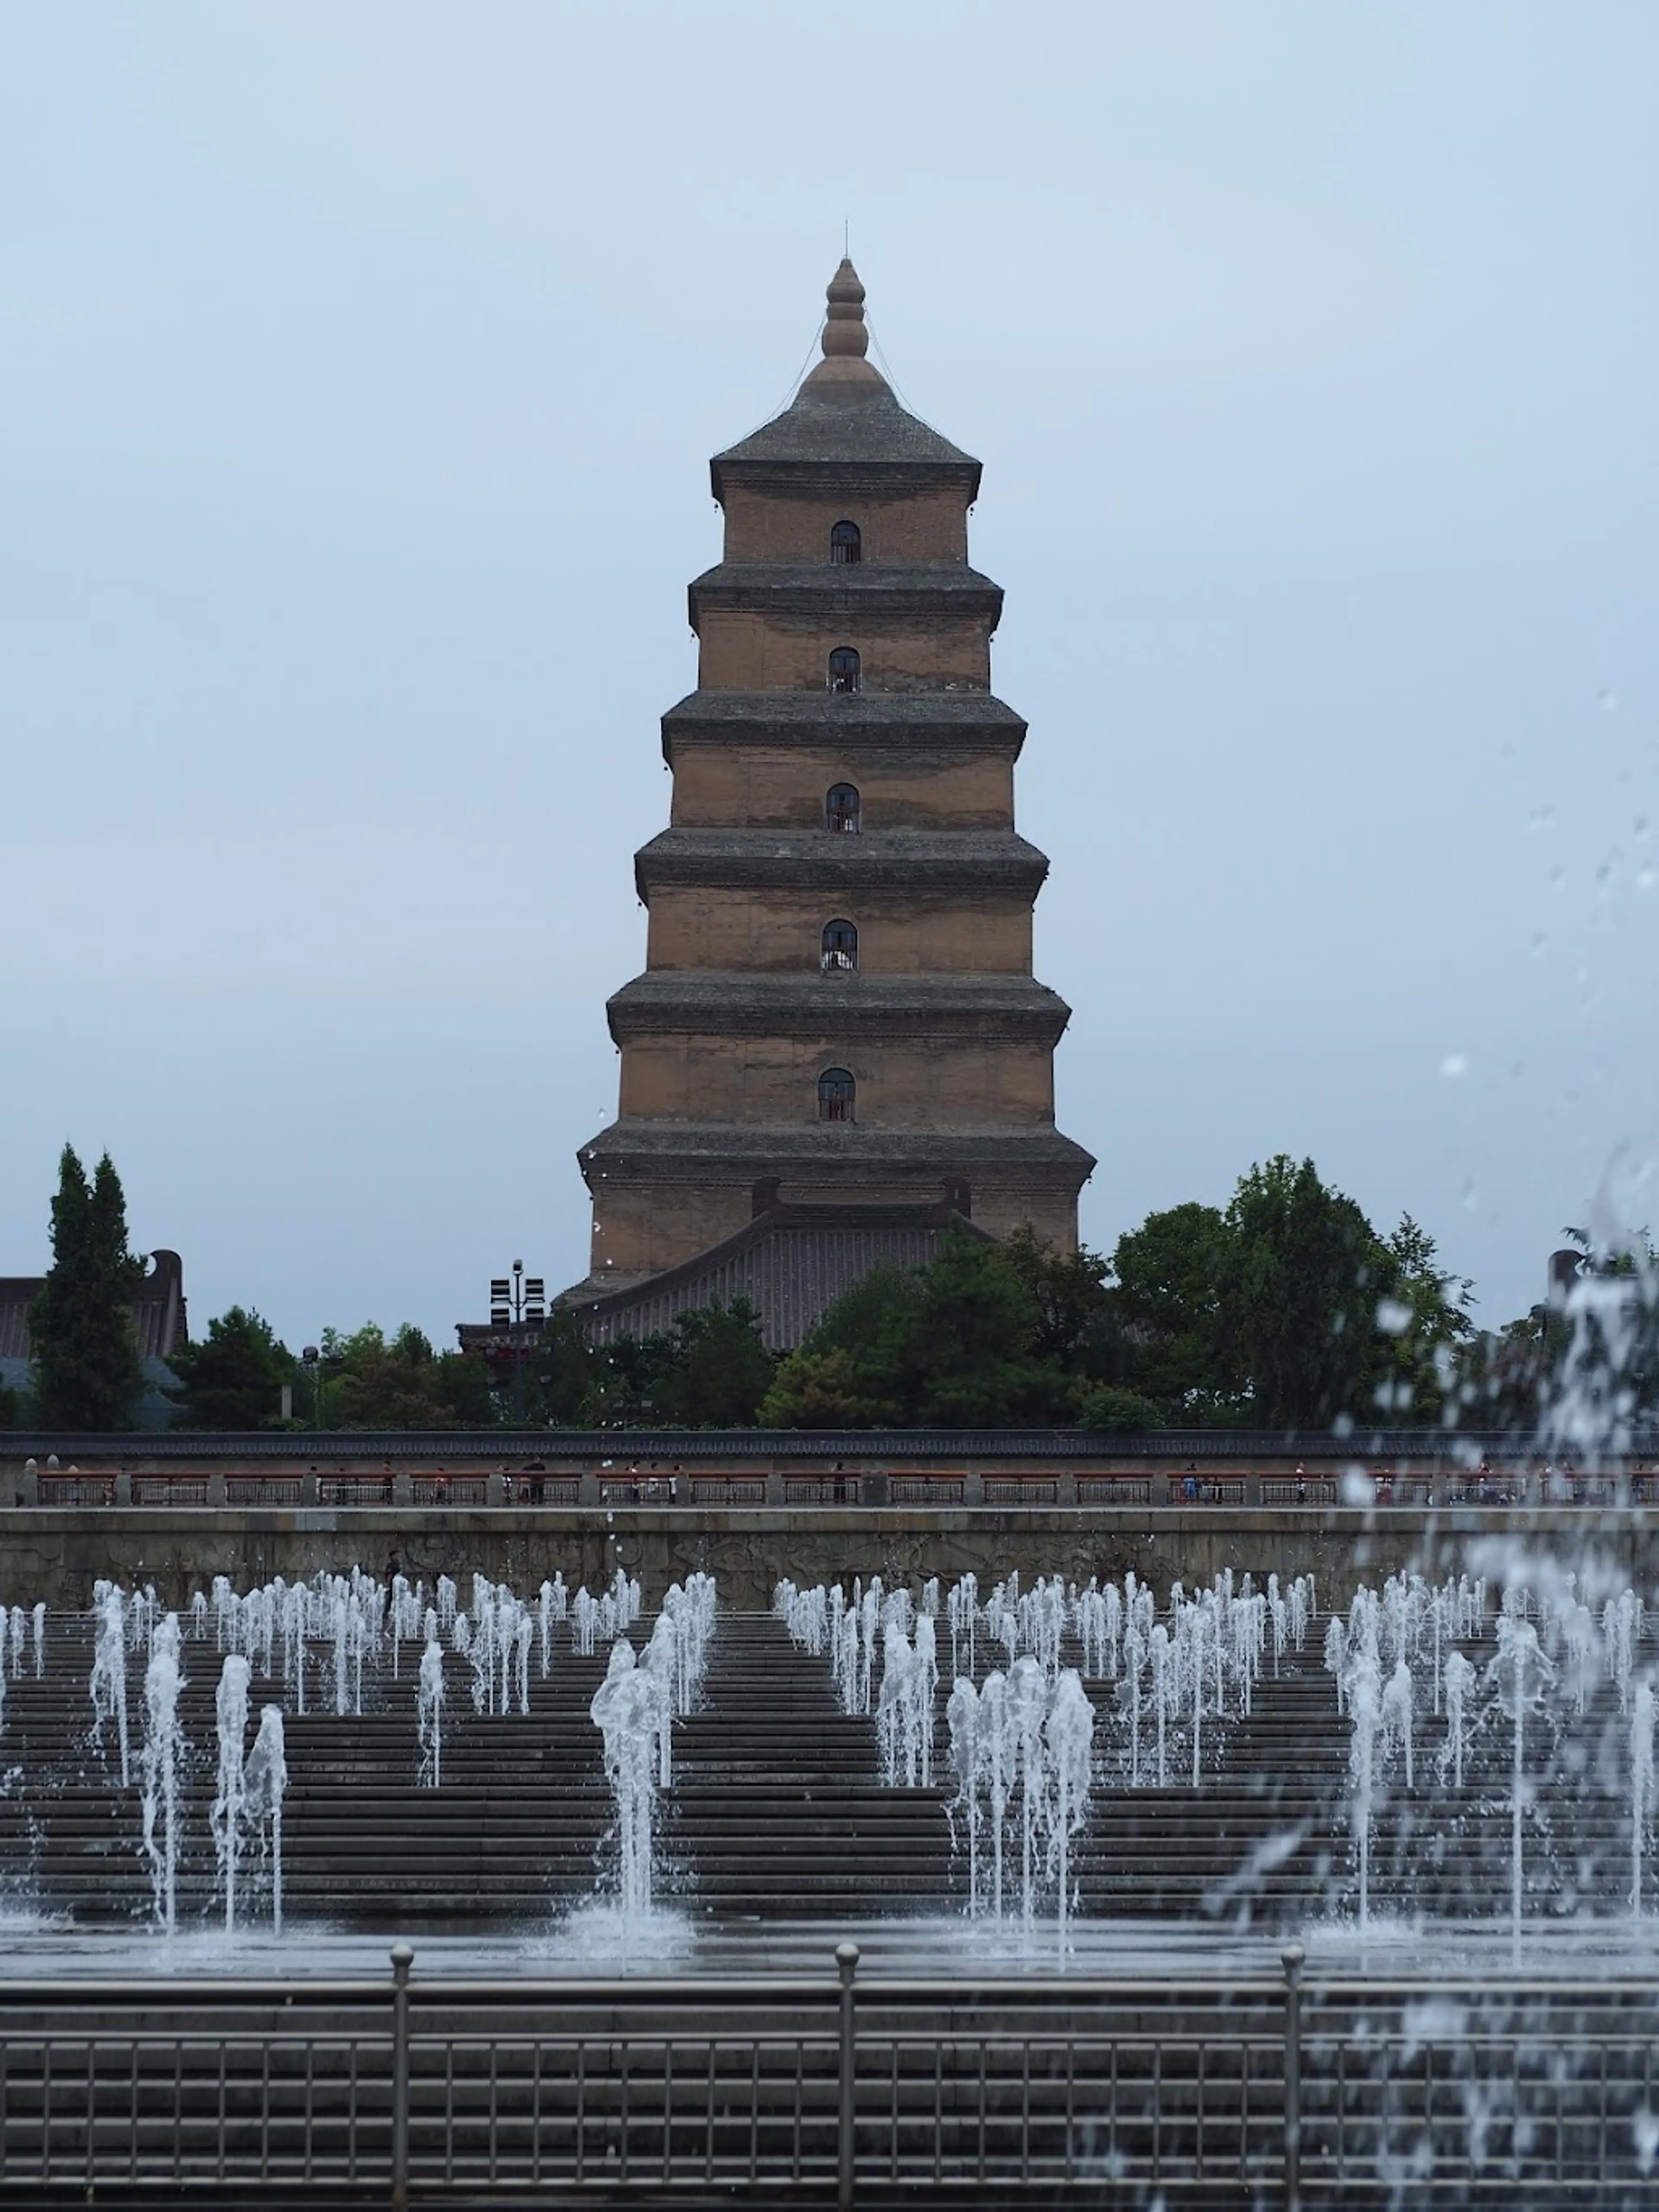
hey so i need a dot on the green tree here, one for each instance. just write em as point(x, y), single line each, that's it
point(1115, 1408)
point(1169, 1276)
point(1078, 1319)
point(232, 1377)
point(85, 1368)
point(715, 1371)
point(401, 1384)
point(564, 1383)
point(1423, 1327)
point(960, 1342)
point(816, 1390)
point(1300, 1277)
point(971, 1356)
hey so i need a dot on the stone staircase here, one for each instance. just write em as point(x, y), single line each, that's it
point(777, 1810)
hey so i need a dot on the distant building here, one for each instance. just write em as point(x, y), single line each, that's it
point(837, 1042)
point(158, 1317)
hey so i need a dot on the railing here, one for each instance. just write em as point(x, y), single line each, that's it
point(638, 1490)
point(822, 1489)
point(1298, 1489)
point(1205, 1489)
point(535, 1487)
point(1264, 2090)
point(728, 1490)
point(278, 1490)
point(77, 1489)
point(169, 1490)
point(927, 1489)
point(357, 1489)
point(449, 1489)
point(1115, 1490)
point(1021, 1489)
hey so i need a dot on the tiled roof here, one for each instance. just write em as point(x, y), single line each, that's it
point(158, 1311)
point(792, 1264)
point(838, 423)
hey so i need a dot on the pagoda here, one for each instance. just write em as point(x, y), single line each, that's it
point(837, 1044)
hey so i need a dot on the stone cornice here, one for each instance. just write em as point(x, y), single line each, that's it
point(843, 1009)
point(968, 861)
point(689, 1150)
point(864, 592)
point(929, 721)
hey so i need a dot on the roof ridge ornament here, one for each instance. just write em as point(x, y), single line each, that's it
point(845, 333)
point(846, 337)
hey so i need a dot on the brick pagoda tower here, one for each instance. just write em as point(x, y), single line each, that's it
point(838, 1041)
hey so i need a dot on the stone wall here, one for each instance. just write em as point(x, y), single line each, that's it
point(770, 932)
point(58, 1555)
point(775, 787)
point(792, 524)
point(897, 652)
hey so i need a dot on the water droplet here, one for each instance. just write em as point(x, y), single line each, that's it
point(1541, 817)
point(1455, 1063)
point(1646, 878)
point(1607, 702)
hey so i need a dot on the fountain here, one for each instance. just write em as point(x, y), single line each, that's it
point(429, 1712)
point(265, 1782)
point(109, 1671)
point(626, 1711)
point(230, 1706)
point(159, 1764)
point(1642, 1807)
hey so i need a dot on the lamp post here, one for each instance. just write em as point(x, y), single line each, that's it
point(517, 1302)
point(318, 1365)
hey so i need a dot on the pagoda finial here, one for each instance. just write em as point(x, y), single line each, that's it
point(844, 333)
point(846, 340)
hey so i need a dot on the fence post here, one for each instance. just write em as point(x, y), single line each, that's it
point(1293, 1957)
point(847, 1962)
point(402, 1959)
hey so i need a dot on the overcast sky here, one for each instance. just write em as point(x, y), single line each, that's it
point(360, 369)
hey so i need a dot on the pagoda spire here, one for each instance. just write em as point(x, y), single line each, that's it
point(846, 336)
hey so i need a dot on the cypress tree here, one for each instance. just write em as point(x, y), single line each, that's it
point(86, 1372)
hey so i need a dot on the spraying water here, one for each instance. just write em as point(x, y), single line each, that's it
point(429, 1714)
point(266, 1782)
point(624, 1708)
point(1641, 1790)
point(230, 1707)
point(109, 1671)
point(158, 1763)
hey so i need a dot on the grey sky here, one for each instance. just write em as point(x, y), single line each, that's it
point(360, 365)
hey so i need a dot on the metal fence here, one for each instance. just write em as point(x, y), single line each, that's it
point(1260, 2092)
point(1440, 1446)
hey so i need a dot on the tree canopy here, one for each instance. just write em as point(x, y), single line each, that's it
point(369, 1380)
point(85, 1372)
point(232, 1377)
point(1286, 1310)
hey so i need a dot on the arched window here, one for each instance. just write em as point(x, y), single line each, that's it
point(841, 948)
point(842, 806)
point(835, 1090)
point(843, 669)
point(845, 543)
